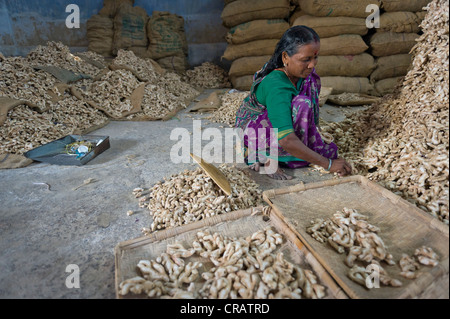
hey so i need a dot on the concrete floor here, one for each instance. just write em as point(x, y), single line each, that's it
point(44, 231)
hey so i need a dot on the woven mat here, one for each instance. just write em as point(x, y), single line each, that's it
point(235, 224)
point(404, 228)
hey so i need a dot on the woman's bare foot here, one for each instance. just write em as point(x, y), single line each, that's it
point(280, 175)
point(272, 169)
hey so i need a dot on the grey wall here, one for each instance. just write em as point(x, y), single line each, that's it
point(24, 24)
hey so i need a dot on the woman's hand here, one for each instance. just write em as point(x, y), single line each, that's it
point(341, 166)
point(293, 145)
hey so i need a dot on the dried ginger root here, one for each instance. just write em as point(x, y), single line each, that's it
point(111, 92)
point(59, 55)
point(411, 264)
point(165, 92)
point(207, 75)
point(164, 95)
point(166, 275)
point(243, 268)
point(20, 81)
point(192, 195)
point(409, 267)
point(385, 278)
point(256, 273)
point(25, 128)
point(143, 68)
point(349, 232)
point(226, 113)
point(358, 274)
point(315, 230)
point(426, 256)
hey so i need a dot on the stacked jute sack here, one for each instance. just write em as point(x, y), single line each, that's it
point(344, 63)
point(121, 25)
point(354, 58)
point(255, 28)
point(118, 25)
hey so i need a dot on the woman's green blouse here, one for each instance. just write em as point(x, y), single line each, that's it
point(276, 92)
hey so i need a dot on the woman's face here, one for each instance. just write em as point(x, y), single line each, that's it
point(301, 64)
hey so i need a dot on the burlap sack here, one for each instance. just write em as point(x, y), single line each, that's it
point(7, 104)
point(9, 161)
point(242, 83)
point(345, 44)
point(391, 66)
point(61, 88)
point(389, 85)
point(257, 30)
point(208, 104)
point(110, 7)
point(158, 68)
point(325, 92)
point(141, 52)
point(391, 43)
point(130, 28)
point(337, 8)
point(404, 5)
point(341, 84)
point(352, 99)
point(141, 77)
point(253, 48)
point(166, 35)
point(327, 27)
point(177, 64)
point(247, 65)
point(295, 15)
point(361, 65)
point(407, 22)
point(241, 11)
point(421, 15)
point(100, 34)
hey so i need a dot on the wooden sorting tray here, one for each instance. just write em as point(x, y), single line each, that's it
point(233, 224)
point(404, 227)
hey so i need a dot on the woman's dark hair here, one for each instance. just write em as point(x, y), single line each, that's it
point(290, 42)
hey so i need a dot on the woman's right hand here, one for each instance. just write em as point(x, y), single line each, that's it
point(341, 166)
